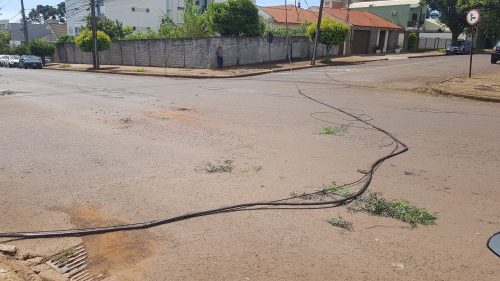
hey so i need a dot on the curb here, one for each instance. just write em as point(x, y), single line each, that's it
point(426, 56)
point(479, 98)
point(255, 73)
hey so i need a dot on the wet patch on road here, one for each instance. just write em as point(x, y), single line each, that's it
point(123, 253)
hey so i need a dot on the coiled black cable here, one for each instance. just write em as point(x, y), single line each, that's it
point(366, 179)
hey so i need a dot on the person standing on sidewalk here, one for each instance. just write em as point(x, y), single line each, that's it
point(220, 58)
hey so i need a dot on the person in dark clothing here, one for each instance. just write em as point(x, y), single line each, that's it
point(220, 59)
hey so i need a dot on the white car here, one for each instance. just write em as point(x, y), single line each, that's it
point(12, 61)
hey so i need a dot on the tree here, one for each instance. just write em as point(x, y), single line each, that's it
point(489, 24)
point(114, 29)
point(41, 48)
point(5, 37)
point(451, 15)
point(61, 12)
point(84, 41)
point(196, 23)
point(236, 18)
point(42, 13)
point(331, 33)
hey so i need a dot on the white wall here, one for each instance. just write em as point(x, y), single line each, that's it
point(76, 11)
point(146, 13)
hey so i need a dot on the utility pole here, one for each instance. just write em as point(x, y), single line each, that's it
point(25, 25)
point(316, 37)
point(95, 53)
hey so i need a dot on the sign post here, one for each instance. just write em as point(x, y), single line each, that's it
point(472, 18)
point(270, 38)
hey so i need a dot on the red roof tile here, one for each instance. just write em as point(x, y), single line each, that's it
point(295, 15)
point(298, 15)
point(360, 18)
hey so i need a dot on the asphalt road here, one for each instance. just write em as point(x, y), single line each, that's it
point(85, 149)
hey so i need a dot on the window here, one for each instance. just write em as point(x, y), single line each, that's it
point(147, 10)
point(133, 9)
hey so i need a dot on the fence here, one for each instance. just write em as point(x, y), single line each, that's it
point(433, 43)
point(194, 53)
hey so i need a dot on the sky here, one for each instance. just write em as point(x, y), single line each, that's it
point(9, 9)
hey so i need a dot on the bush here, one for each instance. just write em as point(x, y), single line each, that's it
point(84, 41)
point(236, 18)
point(41, 48)
point(65, 39)
point(282, 31)
point(412, 41)
point(114, 29)
point(20, 50)
point(331, 33)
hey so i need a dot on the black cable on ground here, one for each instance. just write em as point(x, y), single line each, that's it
point(366, 179)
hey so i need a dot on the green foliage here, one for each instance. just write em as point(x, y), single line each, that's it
point(331, 33)
point(282, 31)
point(341, 222)
point(114, 29)
point(451, 15)
point(44, 12)
point(22, 49)
point(489, 25)
point(149, 34)
point(65, 39)
point(400, 209)
point(5, 37)
point(84, 41)
point(236, 18)
point(412, 41)
point(195, 25)
point(41, 48)
point(335, 131)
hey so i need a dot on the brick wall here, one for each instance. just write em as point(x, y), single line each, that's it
point(194, 53)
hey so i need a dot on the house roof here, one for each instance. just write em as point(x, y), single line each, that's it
point(34, 31)
point(290, 13)
point(296, 15)
point(360, 18)
point(48, 32)
point(59, 29)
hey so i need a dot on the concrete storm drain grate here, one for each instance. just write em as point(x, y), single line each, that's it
point(72, 264)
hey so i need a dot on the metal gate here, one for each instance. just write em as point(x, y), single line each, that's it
point(360, 42)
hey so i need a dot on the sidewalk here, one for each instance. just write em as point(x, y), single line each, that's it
point(231, 72)
point(484, 87)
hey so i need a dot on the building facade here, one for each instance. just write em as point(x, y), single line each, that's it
point(141, 15)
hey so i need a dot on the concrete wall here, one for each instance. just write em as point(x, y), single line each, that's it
point(194, 53)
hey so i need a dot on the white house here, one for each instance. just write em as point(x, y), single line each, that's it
point(140, 14)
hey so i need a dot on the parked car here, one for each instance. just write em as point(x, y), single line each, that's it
point(495, 54)
point(461, 47)
point(30, 62)
point(3, 59)
point(12, 61)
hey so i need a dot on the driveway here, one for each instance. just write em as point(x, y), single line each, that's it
point(86, 149)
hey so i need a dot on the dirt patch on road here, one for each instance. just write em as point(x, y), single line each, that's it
point(121, 254)
point(180, 114)
point(483, 86)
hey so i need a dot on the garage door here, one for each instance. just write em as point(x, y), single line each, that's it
point(360, 41)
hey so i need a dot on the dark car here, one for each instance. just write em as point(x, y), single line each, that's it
point(30, 62)
point(495, 54)
point(459, 47)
